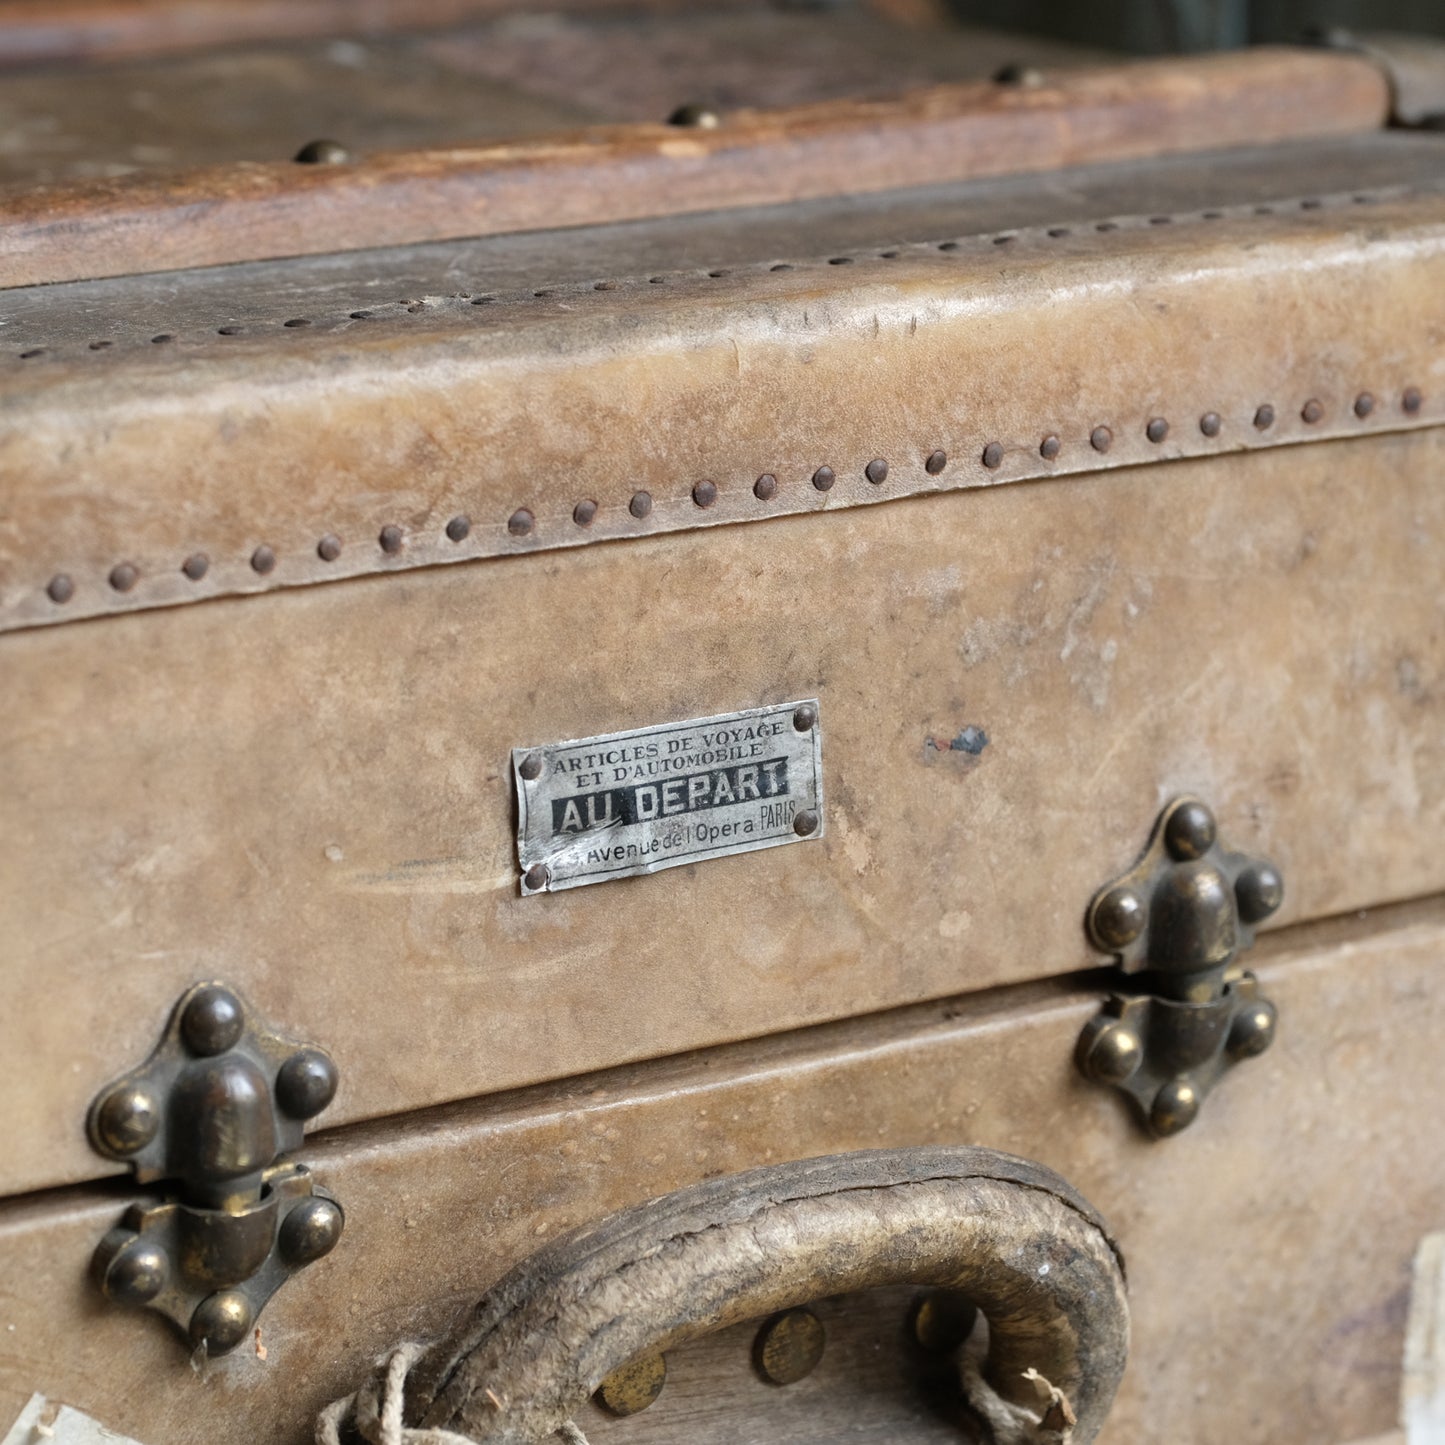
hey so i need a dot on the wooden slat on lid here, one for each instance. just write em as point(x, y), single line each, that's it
point(219, 215)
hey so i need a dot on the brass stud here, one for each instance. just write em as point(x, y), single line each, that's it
point(310, 1231)
point(1175, 1107)
point(704, 494)
point(531, 767)
point(805, 718)
point(263, 560)
point(1157, 429)
point(806, 823)
point(196, 566)
point(1117, 1051)
point(459, 528)
point(213, 1021)
point(696, 117)
point(127, 1120)
point(1259, 891)
point(1119, 918)
point(1252, 1031)
point(993, 456)
point(1312, 411)
point(876, 471)
point(1264, 418)
point(537, 877)
point(323, 153)
point(942, 1320)
point(521, 522)
point(221, 1321)
point(823, 478)
point(641, 505)
point(60, 588)
point(329, 547)
point(766, 487)
point(390, 540)
point(1101, 439)
point(306, 1083)
point(1364, 405)
point(124, 576)
point(1026, 77)
point(585, 513)
point(1411, 400)
point(789, 1346)
point(634, 1387)
point(1210, 424)
point(1050, 447)
point(1190, 831)
point(137, 1274)
point(935, 463)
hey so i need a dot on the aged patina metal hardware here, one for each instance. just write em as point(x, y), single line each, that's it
point(211, 1113)
point(1179, 919)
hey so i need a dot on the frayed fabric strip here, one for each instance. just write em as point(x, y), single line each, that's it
point(1050, 1422)
point(374, 1413)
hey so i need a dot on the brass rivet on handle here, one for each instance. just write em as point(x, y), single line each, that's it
point(633, 1387)
point(942, 1320)
point(789, 1346)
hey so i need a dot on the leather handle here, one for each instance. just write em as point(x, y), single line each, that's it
point(1011, 1235)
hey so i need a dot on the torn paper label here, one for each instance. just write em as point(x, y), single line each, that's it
point(42, 1423)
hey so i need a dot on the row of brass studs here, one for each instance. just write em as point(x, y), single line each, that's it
point(125, 575)
point(413, 307)
point(789, 1347)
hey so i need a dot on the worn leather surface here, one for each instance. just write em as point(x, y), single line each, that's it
point(510, 413)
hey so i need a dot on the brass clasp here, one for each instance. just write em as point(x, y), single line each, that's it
point(212, 1111)
point(1179, 919)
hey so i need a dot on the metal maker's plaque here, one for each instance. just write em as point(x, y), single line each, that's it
point(638, 802)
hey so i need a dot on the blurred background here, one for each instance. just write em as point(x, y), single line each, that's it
point(1153, 26)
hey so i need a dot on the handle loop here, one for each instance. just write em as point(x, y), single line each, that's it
point(1011, 1235)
